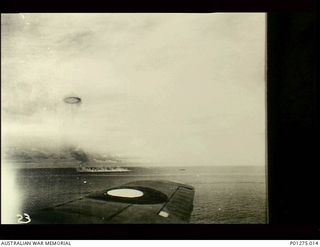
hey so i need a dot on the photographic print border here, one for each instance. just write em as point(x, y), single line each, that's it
point(292, 103)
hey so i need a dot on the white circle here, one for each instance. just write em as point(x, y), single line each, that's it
point(128, 193)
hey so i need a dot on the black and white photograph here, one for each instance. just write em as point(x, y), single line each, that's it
point(133, 118)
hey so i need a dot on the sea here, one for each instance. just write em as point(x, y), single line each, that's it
point(223, 195)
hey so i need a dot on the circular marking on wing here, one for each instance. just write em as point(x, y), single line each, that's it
point(131, 194)
point(72, 100)
point(126, 193)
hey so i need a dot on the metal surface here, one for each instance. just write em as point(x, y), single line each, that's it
point(161, 202)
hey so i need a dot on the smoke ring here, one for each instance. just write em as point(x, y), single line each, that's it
point(72, 100)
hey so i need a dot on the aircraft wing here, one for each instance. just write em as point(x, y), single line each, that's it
point(136, 202)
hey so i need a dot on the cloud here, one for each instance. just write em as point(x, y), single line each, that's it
point(161, 87)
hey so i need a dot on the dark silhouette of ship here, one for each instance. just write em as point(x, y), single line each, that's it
point(94, 169)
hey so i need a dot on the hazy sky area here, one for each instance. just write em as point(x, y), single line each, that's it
point(171, 89)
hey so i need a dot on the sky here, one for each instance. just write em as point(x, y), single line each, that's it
point(169, 89)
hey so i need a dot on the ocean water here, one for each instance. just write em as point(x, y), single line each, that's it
point(223, 195)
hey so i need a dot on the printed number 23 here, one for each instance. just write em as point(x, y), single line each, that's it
point(23, 219)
